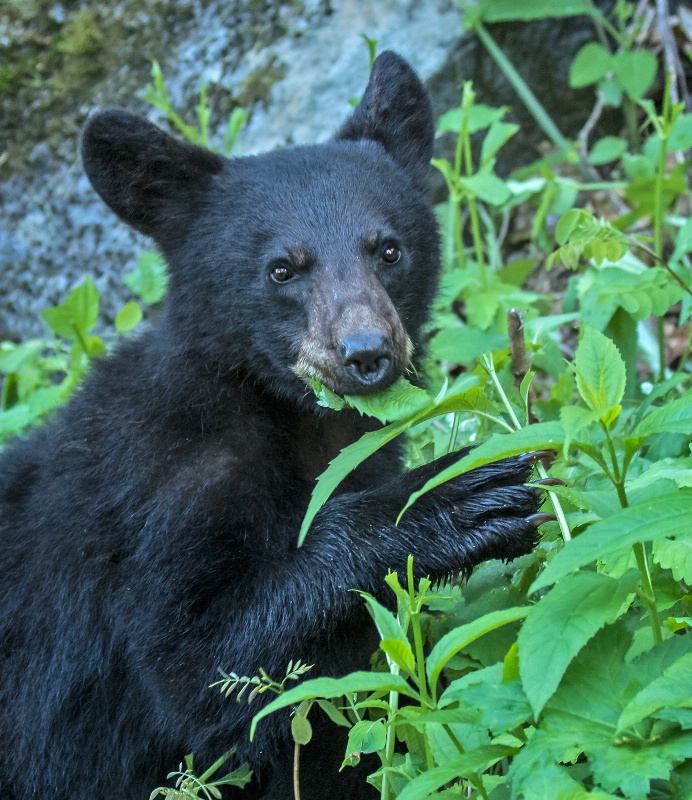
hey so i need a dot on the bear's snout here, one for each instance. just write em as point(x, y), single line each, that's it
point(368, 357)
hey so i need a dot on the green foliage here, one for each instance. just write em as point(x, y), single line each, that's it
point(188, 786)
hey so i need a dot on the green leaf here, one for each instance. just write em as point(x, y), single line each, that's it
point(479, 116)
point(607, 149)
point(334, 714)
point(667, 516)
point(575, 419)
point(394, 641)
point(459, 638)
point(498, 134)
point(77, 315)
point(350, 457)
point(542, 436)
point(487, 186)
point(676, 556)
point(128, 316)
point(674, 417)
point(635, 71)
point(301, 729)
point(600, 373)
point(672, 690)
point(399, 401)
point(509, 707)
point(466, 764)
point(149, 280)
point(366, 736)
point(562, 623)
point(590, 65)
point(328, 688)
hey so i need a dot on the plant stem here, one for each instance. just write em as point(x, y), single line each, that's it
point(522, 89)
point(648, 597)
point(658, 214)
point(487, 362)
point(296, 772)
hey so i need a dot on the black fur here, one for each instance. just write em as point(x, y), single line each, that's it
point(148, 532)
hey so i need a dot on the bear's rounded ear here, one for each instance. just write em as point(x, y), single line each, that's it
point(395, 111)
point(146, 176)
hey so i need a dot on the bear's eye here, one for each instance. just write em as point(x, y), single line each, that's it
point(390, 254)
point(281, 274)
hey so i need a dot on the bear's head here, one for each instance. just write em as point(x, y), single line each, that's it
point(318, 261)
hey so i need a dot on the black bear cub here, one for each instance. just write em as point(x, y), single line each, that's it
point(148, 532)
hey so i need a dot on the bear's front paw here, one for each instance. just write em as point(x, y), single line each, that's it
point(490, 511)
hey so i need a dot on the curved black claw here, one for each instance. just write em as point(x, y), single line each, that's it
point(539, 519)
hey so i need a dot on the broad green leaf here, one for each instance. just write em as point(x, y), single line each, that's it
point(600, 373)
point(667, 516)
point(561, 624)
point(301, 729)
point(476, 760)
point(487, 187)
point(350, 457)
point(400, 400)
point(459, 638)
point(479, 116)
point(676, 556)
point(128, 316)
point(569, 222)
point(681, 135)
point(607, 149)
point(366, 736)
point(672, 690)
point(509, 707)
point(674, 417)
point(77, 315)
point(635, 71)
point(590, 65)
point(542, 436)
point(381, 682)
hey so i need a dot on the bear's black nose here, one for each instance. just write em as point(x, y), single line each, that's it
point(367, 357)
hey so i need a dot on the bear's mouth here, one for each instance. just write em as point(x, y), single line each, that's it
point(353, 372)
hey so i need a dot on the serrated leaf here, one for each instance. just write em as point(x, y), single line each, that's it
point(600, 373)
point(666, 516)
point(590, 65)
point(673, 689)
point(674, 417)
point(458, 638)
point(380, 682)
point(350, 457)
point(474, 761)
point(676, 556)
point(561, 624)
point(399, 401)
